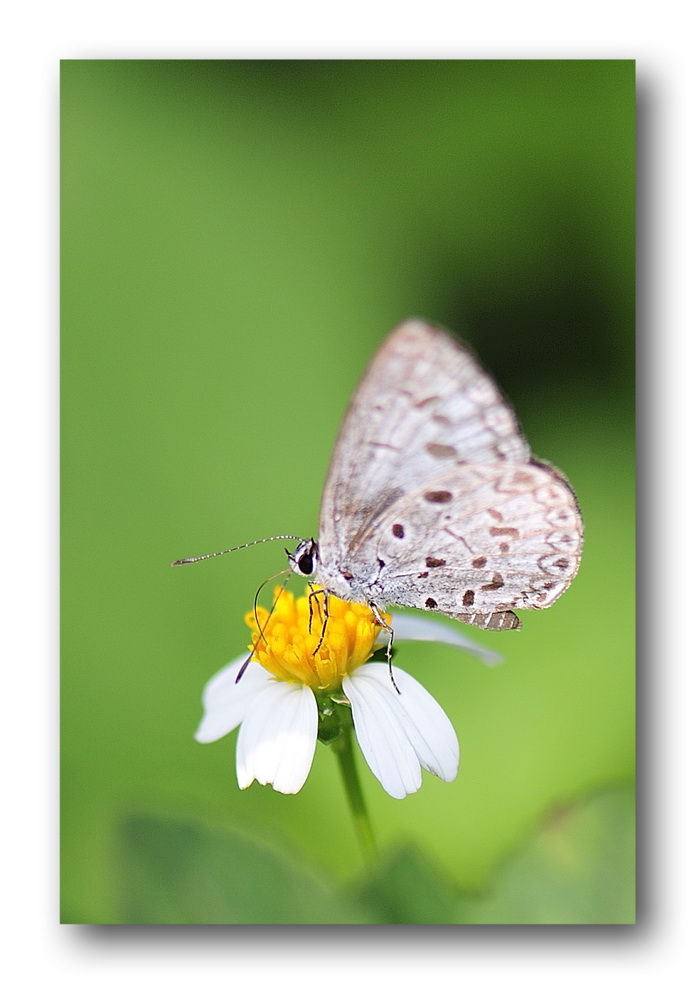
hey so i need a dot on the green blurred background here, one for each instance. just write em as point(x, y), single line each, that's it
point(237, 238)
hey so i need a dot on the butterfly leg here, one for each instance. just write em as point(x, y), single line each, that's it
point(312, 596)
point(324, 626)
point(380, 620)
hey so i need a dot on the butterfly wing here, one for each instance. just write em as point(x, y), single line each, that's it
point(432, 499)
point(423, 405)
point(497, 538)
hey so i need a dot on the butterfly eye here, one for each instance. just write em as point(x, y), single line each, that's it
point(305, 558)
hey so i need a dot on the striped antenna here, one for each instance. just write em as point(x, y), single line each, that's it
point(255, 613)
point(268, 539)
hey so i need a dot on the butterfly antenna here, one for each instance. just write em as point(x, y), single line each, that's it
point(288, 572)
point(261, 628)
point(252, 543)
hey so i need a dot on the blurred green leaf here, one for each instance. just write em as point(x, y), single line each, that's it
point(407, 888)
point(578, 868)
point(182, 872)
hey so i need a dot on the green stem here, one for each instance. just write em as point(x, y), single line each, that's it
point(345, 750)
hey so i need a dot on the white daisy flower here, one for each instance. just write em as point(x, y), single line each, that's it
point(296, 679)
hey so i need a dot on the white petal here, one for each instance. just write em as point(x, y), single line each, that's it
point(225, 701)
point(277, 738)
point(385, 745)
point(415, 627)
point(421, 726)
point(427, 726)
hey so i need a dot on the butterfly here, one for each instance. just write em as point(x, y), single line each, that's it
point(433, 500)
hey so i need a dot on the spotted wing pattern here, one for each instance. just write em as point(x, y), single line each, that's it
point(432, 499)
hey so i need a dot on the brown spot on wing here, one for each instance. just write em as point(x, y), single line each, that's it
point(468, 597)
point(398, 530)
point(440, 450)
point(479, 562)
point(496, 583)
point(523, 478)
point(440, 495)
point(434, 562)
point(430, 603)
point(504, 531)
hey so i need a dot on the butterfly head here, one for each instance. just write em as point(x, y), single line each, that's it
point(305, 559)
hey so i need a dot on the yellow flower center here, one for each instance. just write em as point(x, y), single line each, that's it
point(319, 658)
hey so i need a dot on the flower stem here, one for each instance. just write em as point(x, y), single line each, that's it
point(345, 750)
